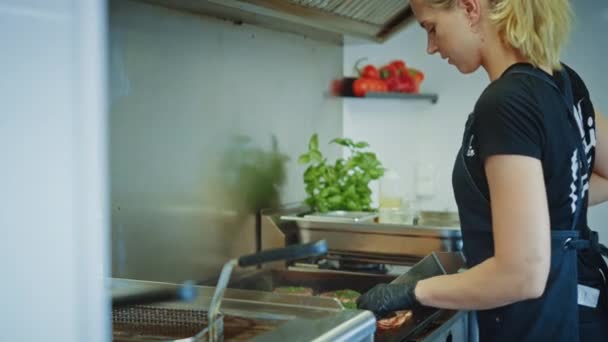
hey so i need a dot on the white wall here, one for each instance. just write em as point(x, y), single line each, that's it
point(406, 132)
point(53, 218)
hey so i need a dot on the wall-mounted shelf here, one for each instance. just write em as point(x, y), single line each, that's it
point(400, 96)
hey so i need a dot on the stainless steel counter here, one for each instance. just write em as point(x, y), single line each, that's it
point(396, 244)
point(293, 318)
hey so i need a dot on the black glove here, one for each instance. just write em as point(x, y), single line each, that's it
point(383, 299)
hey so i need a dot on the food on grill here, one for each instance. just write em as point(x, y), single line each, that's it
point(347, 297)
point(395, 321)
point(294, 290)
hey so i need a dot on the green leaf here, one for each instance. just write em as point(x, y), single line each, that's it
point(304, 159)
point(316, 156)
point(333, 190)
point(309, 175)
point(310, 201)
point(361, 144)
point(335, 200)
point(343, 141)
point(351, 205)
point(313, 144)
point(366, 179)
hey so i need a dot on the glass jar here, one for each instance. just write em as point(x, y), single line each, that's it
point(394, 204)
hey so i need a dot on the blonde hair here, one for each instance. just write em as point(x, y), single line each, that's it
point(538, 29)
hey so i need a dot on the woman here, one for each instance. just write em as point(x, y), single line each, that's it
point(521, 179)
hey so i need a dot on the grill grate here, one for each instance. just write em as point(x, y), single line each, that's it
point(372, 12)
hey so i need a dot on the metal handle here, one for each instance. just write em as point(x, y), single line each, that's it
point(287, 253)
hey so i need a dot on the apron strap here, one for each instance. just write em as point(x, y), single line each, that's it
point(589, 239)
point(567, 97)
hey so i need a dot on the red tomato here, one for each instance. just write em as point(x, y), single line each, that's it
point(408, 84)
point(388, 71)
point(370, 71)
point(398, 64)
point(416, 74)
point(363, 86)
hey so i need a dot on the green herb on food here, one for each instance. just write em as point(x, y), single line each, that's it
point(347, 297)
point(347, 294)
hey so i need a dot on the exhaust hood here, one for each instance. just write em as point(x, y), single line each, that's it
point(328, 20)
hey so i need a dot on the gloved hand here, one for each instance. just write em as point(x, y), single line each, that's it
point(383, 299)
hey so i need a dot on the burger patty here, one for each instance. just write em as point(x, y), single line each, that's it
point(395, 321)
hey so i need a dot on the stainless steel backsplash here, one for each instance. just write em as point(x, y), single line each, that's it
point(182, 87)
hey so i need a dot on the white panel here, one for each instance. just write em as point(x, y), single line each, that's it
point(90, 146)
point(43, 8)
point(43, 206)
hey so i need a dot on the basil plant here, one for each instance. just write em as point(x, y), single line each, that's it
point(343, 185)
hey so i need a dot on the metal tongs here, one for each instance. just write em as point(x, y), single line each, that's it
point(288, 253)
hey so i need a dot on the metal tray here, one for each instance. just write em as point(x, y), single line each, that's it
point(337, 216)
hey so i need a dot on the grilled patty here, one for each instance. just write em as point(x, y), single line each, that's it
point(395, 321)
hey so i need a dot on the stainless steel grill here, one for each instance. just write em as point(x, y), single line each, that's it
point(372, 12)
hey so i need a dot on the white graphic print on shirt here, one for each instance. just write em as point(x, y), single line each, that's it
point(588, 145)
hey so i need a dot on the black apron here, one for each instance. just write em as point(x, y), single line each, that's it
point(555, 315)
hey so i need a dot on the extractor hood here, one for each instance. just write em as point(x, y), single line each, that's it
point(328, 20)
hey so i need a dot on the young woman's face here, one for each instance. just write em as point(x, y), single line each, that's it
point(452, 33)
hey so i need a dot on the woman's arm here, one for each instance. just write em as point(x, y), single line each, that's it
point(522, 243)
point(598, 184)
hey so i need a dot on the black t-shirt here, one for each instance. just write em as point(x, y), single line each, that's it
point(523, 115)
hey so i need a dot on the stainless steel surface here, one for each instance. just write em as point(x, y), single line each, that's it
point(425, 320)
point(346, 326)
point(319, 281)
point(432, 251)
point(439, 218)
point(326, 20)
point(432, 265)
point(237, 302)
point(451, 326)
point(365, 241)
point(170, 126)
point(341, 216)
point(247, 314)
point(292, 252)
